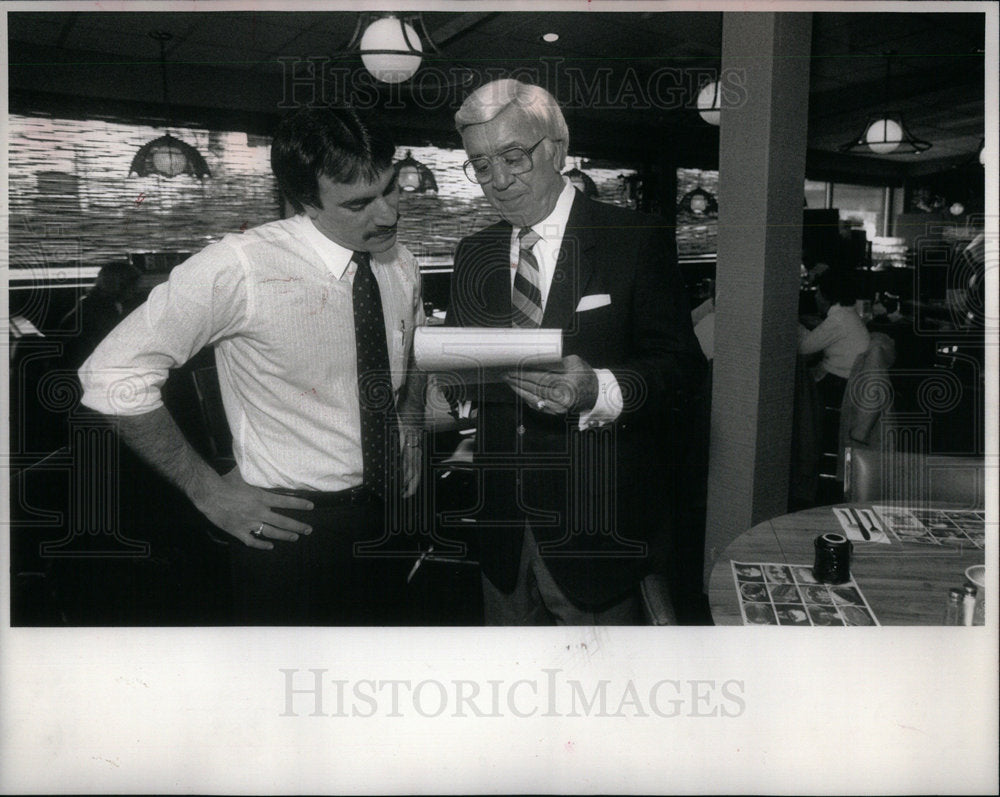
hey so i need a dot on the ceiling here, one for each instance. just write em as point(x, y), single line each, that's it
point(626, 79)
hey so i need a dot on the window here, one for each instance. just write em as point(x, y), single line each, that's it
point(72, 199)
point(815, 194)
point(861, 206)
point(697, 212)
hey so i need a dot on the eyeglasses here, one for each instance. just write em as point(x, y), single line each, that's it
point(516, 159)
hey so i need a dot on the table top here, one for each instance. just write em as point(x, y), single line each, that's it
point(904, 583)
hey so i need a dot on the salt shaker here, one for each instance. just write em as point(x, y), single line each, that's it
point(968, 604)
point(953, 611)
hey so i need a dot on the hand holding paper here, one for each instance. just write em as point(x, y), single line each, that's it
point(569, 386)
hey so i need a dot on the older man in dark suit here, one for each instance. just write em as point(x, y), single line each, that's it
point(574, 459)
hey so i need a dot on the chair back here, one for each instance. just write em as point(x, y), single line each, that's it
point(657, 605)
point(896, 477)
point(867, 398)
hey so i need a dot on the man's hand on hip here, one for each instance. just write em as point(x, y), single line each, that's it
point(245, 511)
point(570, 386)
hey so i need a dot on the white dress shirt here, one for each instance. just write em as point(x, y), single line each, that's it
point(842, 336)
point(552, 229)
point(276, 302)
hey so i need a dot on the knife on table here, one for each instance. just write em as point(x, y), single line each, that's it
point(862, 527)
point(873, 524)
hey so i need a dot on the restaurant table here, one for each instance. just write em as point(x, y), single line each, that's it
point(904, 583)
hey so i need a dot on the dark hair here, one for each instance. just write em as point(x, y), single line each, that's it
point(116, 280)
point(838, 286)
point(334, 142)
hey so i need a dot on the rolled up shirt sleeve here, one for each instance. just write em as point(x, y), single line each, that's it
point(203, 300)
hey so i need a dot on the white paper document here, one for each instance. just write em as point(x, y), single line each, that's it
point(467, 348)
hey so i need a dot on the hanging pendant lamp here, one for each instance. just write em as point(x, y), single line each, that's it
point(709, 103)
point(886, 133)
point(699, 202)
point(390, 46)
point(414, 177)
point(167, 156)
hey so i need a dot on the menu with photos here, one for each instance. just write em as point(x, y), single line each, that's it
point(935, 526)
point(778, 594)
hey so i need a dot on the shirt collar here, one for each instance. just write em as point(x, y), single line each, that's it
point(554, 225)
point(334, 256)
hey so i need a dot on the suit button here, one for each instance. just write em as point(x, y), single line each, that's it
point(520, 430)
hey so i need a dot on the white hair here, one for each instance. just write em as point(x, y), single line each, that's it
point(489, 101)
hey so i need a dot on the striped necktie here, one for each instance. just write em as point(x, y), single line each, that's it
point(374, 383)
point(526, 299)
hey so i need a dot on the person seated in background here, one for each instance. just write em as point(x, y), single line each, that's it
point(112, 297)
point(840, 337)
point(888, 309)
point(811, 269)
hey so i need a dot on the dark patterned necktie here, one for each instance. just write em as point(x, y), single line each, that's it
point(526, 298)
point(374, 383)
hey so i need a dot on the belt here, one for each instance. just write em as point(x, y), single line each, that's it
point(353, 495)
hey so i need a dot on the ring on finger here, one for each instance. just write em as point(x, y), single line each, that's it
point(259, 531)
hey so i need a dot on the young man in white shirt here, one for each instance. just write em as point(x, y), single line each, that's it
point(324, 435)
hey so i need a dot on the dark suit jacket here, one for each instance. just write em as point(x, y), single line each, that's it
point(595, 498)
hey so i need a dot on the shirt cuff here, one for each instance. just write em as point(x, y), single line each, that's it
point(118, 391)
point(609, 401)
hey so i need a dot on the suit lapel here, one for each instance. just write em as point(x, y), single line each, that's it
point(573, 267)
point(486, 279)
point(499, 274)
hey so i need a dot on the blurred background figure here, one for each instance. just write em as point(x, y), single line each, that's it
point(838, 339)
point(113, 296)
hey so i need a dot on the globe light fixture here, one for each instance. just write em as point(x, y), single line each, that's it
point(391, 50)
point(408, 179)
point(392, 46)
point(886, 133)
point(709, 103)
point(167, 156)
point(414, 177)
point(884, 136)
point(699, 203)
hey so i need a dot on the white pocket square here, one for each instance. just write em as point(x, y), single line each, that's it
point(593, 302)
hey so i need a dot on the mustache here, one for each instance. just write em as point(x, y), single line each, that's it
point(381, 232)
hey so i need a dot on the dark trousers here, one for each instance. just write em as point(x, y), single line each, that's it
point(538, 600)
point(348, 571)
point(831, 390)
